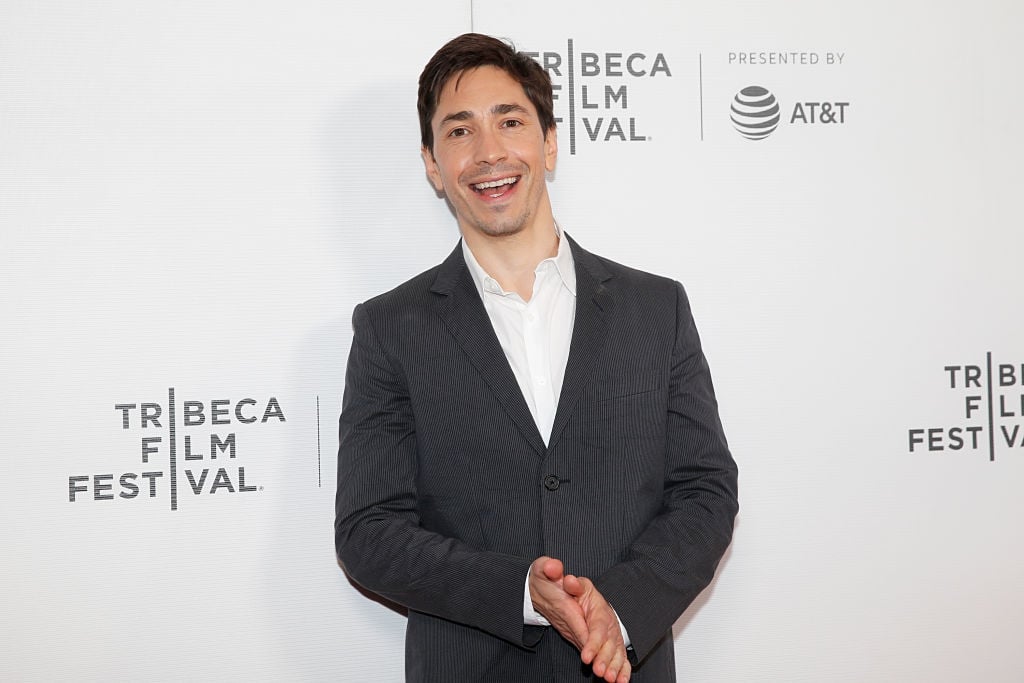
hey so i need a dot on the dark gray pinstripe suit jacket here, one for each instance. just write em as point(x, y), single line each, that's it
point(446, 492)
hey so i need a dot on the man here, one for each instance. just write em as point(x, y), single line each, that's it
point(531, 457)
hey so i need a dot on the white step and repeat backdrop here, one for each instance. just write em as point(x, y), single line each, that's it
point(194, 195)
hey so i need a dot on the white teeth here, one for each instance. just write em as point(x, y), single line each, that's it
point(495, 183)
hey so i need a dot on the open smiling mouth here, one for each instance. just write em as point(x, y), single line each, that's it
point(495, 188)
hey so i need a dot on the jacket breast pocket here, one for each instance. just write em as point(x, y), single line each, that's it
point(636, 415)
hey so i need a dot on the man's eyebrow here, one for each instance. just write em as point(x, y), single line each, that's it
point(463, 115)
point(508, 109)
point(497, 110)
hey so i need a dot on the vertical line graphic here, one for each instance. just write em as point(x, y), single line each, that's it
point(572, 102)
point(318, 480)
point(991, 419)
point(174, 454)
point(700, 91)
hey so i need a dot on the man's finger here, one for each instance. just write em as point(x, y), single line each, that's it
point(617, 659)
point(552, 569)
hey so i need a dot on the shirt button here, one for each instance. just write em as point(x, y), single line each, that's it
point(551, 482)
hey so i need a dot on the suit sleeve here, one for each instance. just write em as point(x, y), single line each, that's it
point(675, 556)
point(378, 538)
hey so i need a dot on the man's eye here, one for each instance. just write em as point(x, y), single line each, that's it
point(512, 123)
point(457, 132)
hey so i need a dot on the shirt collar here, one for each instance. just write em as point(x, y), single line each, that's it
point(562, 261)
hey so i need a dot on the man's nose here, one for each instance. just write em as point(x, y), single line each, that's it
point(490, 148)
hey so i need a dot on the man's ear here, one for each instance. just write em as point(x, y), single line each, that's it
point(433, 172)
point(550, 150)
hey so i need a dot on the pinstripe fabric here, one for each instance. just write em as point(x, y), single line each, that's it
point(441, 502)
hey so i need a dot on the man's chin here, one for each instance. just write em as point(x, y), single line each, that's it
point(499, 228)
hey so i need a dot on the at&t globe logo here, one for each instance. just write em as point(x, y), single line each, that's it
point(755, 112)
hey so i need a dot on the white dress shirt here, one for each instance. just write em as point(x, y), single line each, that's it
point(534, 334)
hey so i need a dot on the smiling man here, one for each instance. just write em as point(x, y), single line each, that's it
point(531, 458)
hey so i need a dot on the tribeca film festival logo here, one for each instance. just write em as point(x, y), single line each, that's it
point(196, 457)
point(756, 112)
point(992, 401)
point(603, 82)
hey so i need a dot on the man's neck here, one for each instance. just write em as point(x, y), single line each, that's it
point(512, 259)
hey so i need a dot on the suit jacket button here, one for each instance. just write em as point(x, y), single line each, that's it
point(551, 482)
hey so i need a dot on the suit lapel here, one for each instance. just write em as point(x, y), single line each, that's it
point(463, 312)
point(594, 304)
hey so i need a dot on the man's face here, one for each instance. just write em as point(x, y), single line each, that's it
point(490, 153)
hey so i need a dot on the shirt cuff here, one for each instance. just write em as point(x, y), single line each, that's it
point(625, 636)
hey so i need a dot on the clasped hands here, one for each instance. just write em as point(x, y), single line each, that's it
point(582, 616)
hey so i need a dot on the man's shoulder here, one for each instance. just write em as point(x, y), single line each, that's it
point(414, 290)
point(606, 269)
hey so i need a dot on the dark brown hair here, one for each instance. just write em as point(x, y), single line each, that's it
point(473, 50)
